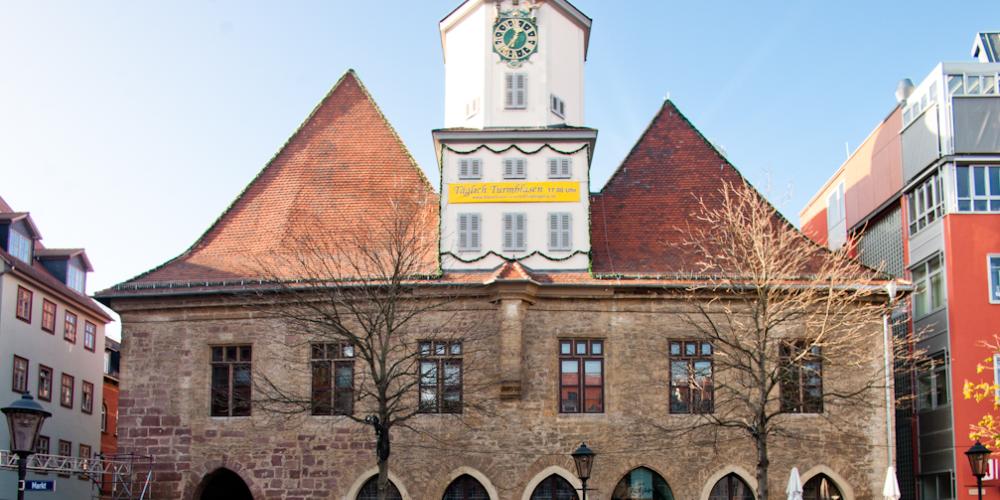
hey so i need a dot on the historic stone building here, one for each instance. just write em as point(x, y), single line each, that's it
point(578, 300)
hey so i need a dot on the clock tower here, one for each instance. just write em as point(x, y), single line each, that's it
point(514, 154)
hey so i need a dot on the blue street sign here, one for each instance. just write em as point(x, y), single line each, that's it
point(30, 485)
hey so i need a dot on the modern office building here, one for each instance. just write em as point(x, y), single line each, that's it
point(921, 199)
point(49, 334)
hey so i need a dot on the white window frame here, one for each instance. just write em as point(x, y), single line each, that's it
point(926, 203)
point(560, 167)
point(836, 231)
point(989, 197)
point(473, 168)
point(514, 231)
point(515, 168)
point(932, 372)
point(20, 246)
point(922, 288)
point(994, 283)
point(471, 235)
point(76, 277)
point(563, 236)
point(557, 106)
point(515, 91)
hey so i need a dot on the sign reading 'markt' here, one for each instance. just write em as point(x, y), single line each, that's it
point(37, 486)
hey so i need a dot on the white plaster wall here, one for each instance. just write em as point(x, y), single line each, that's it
point(465, 66)
point(537, 213)
point(40, 347)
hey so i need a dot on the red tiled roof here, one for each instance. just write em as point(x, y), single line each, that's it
point(343, 166)
point(640, 219)
point(40, 275)
point(4, 207)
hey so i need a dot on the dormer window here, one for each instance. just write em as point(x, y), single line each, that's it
point(20, 246)
point(76, 278)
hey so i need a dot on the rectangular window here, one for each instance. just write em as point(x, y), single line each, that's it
point(581, 376)
point(48, 316)
point(836, 218)
point(993, 263)
point(692, 375)
point(801, 377)
point(85, 454)
point(89, 335)
point(440, 376)
point(44, 383)
point(69, 327)
point(231, 381)
point(76, 278)
point(560, 168)
point(928, 279)
point(65, 448)
point(20, 246)
point(470, 168)
point(926, 203)
point(24, 304)
point(560, 231)
point(66, 390)
point(332, 378)
point(514, 232)
point(515, 168)
point(977, 188)
point(87, 399)
point(932, 383)
point(19, 381)
point(42, 445)
point(469, 232)
point(557, 106)
point(515, 91)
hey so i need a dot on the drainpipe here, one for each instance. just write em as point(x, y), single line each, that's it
point(890, 289)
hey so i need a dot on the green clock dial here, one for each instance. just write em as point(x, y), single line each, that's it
point(515, 37)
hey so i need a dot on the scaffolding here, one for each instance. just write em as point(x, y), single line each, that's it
point(116, 477)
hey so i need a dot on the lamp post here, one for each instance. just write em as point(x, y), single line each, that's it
point(978, 455)
point(584, 459)
point(24, 421)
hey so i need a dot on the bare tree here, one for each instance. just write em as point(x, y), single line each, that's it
point(372, 294)
point(792, 328)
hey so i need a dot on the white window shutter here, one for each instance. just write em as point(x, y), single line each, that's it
point(519, 231)
point(519, 169)
point(463, 168)
point(474, 231)
point(566, 242)
point(564, 167)
point(463, 231)
point(476, 168)
point(508, 231)
point(509, 90)
point(553, 231)
point(520, 90)
point(553, 168)
point(508, 168)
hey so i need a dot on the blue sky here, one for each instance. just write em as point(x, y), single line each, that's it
point(128, 127)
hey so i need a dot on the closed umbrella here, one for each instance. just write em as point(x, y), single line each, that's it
point(891, 489)
point(794, 488)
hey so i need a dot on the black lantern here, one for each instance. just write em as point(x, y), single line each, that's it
point(584, 459)
point(979, 456)
point(24, 420)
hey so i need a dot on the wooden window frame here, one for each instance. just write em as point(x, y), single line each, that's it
point(790, 368)
point(581, 359)
point(69, 333)
point(47, 449)
point(89, 334)
point(104, 417)
point(24, 313)
point(14, 385)
point(447, 355)
point(85, 406)
point(683, 356)
point(49, 320)
point(331, 355)
point(85, 452)
point(243, 356)
point(38, 390)
point(72, 390)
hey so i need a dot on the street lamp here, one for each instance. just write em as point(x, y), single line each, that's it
point(978, 455)
point(24, 421)
point(584, 459)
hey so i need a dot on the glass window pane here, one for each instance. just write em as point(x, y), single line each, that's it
point(570, 400)
point(989, 84)
point(592, 373)
point(245, 353)
point(428, 373)
point(566, 347)
point(597, 348)
point(452, 374)
point(231, 353)
point(675, 348)
point(241, 390)
point(425, 348)
point(345, 376)
point(994, 181)
point(962, 181)
point(679, 397)
point(706, 349)
point(348, 351)
point(216, 354)
point(439, 348)
point(321, 392)
point(979, 180)
point(456, 348)
point(972, 85)
point(581, 347)
point(679, 372)
point(937, 291)
point(592, 400)
point(220, 390)
point(690, 348)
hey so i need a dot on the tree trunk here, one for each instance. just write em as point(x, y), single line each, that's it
point(383, 480)
point(762, 463)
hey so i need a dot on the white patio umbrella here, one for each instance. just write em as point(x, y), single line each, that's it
point(794, 488)
point(891, 489)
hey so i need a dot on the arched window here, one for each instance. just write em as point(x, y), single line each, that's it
point(642, 484)
point(731, 487)
point(821, 487)
point(554, 487)
point(104, 417)
point(465, 487)
point(370, 490)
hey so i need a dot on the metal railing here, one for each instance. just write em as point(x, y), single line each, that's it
point(118, 477)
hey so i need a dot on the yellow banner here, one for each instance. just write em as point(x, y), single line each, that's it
point(514, 192)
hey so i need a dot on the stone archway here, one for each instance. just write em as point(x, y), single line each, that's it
point(223, 484)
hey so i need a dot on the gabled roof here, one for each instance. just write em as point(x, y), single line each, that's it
point(64, 253)
point(640, 219)
point(343, 164)
point(11, 216)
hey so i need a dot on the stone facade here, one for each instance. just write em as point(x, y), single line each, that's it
point(165, 406)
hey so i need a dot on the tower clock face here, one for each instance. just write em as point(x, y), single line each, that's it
point(515, 38)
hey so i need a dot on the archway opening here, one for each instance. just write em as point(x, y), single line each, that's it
point(642, 484)
point(224, 484)
point(731, 487)
point(465, 487)
point(370, 490)
point(554, 487)
point(821, 487)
